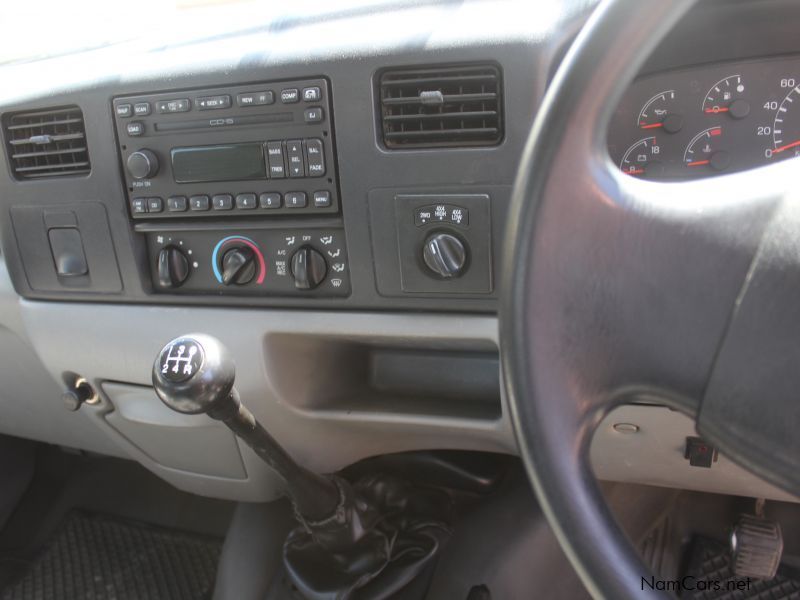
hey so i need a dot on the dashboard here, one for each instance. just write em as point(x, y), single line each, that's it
point(708, 120)
point(328, 197)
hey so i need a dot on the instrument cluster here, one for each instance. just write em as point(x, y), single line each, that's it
point(708, 120)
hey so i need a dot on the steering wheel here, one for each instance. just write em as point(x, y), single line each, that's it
point(618, 290)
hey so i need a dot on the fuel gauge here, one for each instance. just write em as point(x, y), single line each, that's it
point(704, 151)
point(725, 96)
point(659, 112)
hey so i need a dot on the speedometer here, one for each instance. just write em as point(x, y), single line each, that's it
point(786, 128)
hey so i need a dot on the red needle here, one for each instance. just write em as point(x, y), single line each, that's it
point(786, 147)
point(717, 109)
point(635, 172)
point(652, 126)
point(698, 163)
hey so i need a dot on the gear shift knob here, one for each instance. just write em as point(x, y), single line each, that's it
point(193, 374)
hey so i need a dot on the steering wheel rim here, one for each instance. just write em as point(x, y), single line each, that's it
point(587, 250)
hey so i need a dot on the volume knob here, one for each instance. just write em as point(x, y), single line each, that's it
point(143, 164)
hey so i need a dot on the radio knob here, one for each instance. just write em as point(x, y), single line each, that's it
point(445, 255)
point(143, 164)
point(238, 266)
point(173, 267)
point(308, 268)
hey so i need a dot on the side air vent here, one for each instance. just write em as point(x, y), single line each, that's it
point(453, 106)
point(47, 143)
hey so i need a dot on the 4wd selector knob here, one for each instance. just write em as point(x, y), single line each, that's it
point(445, 255)
point(143, 164)
point(308, 268)
point(238, 266)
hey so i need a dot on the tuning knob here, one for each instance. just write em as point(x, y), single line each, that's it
point(445, 255)
point(238, 266)
point(143, 164)
point(173, 267)
point(308, 268)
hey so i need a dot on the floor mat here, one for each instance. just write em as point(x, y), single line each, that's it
point(94, 557)
point(710, 562)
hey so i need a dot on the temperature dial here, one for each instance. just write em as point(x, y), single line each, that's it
point(704, 151)
point(238, 266)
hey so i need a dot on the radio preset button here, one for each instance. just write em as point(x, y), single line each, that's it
point(316, 158)
point(178, 105)
point(124, 110)
point(269, 200)
point(290, 96)
point(155, 205)
point(199, 202)
point(255, 98)
point(313, 115)
point(311, 94)
point(139, 206)
point(177, 204)
point(296, 200)
point(294, 152)
point(275, 160)
point(213, 102)
point(222, 201)
point(141, 109)
point(246, 201)
point(322, 199)
point(135, 128)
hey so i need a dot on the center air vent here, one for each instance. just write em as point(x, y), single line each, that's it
point(47, 143)
point(451, 106)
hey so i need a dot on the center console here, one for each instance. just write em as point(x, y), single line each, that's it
point(198, 163)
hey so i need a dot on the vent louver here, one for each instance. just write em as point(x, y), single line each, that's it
point(47, 143)
point(452, 106)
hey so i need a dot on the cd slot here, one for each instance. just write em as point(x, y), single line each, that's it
point(231, 121)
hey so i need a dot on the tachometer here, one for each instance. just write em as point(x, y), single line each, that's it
point(786, 127)
point(660, 112)
point(725, 96)
point(641, 158)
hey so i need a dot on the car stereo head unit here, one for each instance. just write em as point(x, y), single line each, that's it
point(247, 150)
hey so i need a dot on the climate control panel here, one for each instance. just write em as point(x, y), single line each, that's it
point(259, 262)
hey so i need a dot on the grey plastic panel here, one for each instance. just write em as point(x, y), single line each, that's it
point(206, 446)
point(654, 455)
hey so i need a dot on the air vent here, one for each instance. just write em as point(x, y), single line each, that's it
point(451, 106)
point(47, 143)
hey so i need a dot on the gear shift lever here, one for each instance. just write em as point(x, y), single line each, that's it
point(194, 374)
point(368, 539)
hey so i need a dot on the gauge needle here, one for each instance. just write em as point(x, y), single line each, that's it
point(651, 126)
point(786, 147)
point(717, 109)
point(697, 163)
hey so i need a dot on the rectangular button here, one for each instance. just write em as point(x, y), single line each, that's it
point(173, 106)
point(311, 94)
point(155, 205)
point(270, 200)
point(294, 155)
point(141, 109)
point(124, 110)
point(275, 160)
point(67, 249)
point(255, 98)
point(245, 201)
point(315, 155)
point(313, 114)
point(290, 96)
point(296, 199)
point(199, 202)
point(139, 206)
point(213, 102)
point(135, 128)
point(177, 204)
point(222, 201)
point(322, 199)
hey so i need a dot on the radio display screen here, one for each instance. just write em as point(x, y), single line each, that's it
point(229, 162)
